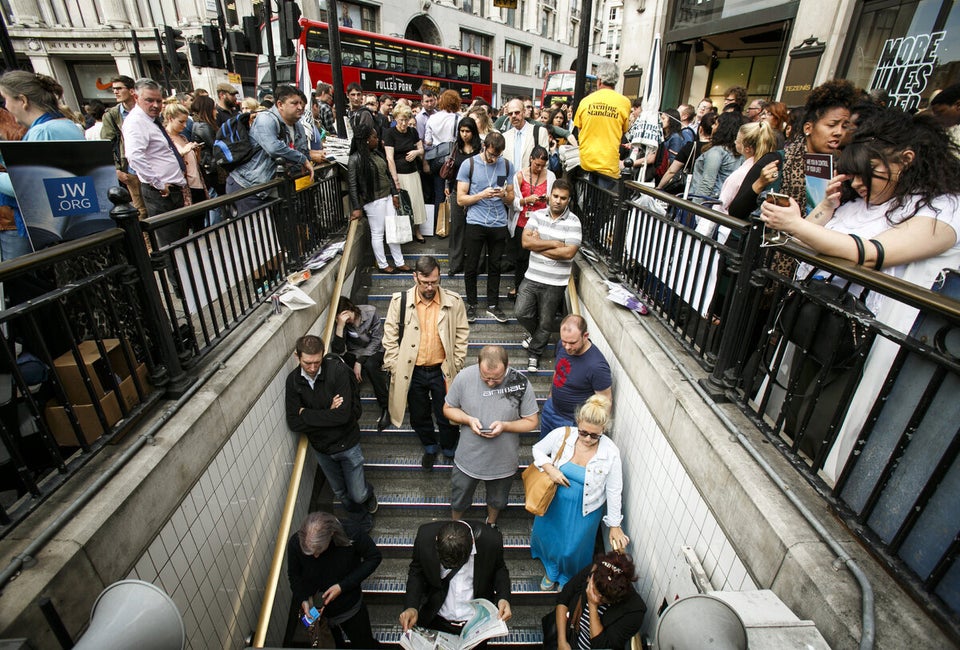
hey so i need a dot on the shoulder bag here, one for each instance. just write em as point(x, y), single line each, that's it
point(538, 487)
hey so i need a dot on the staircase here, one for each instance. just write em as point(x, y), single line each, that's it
point(410, 496)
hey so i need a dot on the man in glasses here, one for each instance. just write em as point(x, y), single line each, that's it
point(453, 563)
point(581, 370)
point(492, 403)
point(425, 346)
point(485, 189)
point(522, 136)
point(112, 130)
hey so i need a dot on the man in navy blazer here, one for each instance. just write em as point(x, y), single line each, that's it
point(454, 562)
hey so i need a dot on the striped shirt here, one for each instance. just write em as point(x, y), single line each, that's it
point(565, 228)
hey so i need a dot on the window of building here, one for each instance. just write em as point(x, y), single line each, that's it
point(548, 63)
point(516, 58)
point(352, 15)
point(690, 13)
point(614, 14)
point(475, 43)
point(547, 23)
point(894, 44)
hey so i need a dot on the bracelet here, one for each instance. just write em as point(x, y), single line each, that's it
point(861, 254)
point(880, 254)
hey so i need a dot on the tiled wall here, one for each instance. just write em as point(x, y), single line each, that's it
point(214, 554)
point(663, 510)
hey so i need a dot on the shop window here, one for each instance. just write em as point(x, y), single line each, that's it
point(516, 58)
point(909, 49)
point(474, 42)
point(689, 13)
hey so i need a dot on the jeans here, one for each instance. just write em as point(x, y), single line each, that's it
point(377, 212)
point(521, 257)
point(536, 310)
point(13, 245)
point(245, 205)
point(425, 402)
point(474, 239)
point(550, 419)
point(458, 221)
point(344, 472)
point(215, 215)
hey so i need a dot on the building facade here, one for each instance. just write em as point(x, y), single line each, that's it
point(782, 48)
point(83, 44)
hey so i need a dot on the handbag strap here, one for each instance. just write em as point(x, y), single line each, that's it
point(563, 444)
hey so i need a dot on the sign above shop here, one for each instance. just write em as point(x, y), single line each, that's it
point(505, 4)
point(905, 67)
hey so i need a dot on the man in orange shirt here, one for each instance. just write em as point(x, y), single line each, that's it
point(425, 345)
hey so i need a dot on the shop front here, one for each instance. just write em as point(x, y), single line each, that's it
point(908, 48)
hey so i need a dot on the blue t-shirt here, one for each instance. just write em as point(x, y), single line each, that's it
point(577, 378)
point(491, 212)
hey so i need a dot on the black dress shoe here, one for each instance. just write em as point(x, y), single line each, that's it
point(427, 461)
point(384, 420)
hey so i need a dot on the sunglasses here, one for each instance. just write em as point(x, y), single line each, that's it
point(587, 434)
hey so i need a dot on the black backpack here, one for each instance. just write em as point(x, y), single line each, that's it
point(232, 146)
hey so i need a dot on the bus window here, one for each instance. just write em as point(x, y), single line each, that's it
point(559, 82)
point(418, 61)
point(317, 47)
point(356, 51)
point(438, 69)
point(463, 68)
point(475, 68)
point(388, 56)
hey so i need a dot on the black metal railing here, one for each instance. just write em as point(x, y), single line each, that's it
point(99, 329)
point(867, 412)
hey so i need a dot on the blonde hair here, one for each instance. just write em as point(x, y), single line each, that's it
point(250, 104)
point(173, 110)
point(760, 137)
point(401, 110)
point(595, 411)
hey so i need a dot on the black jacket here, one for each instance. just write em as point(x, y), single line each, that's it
point(328, 430)
point(347, 566)
point(356, 172)
point(426, 592)
point(620, 621)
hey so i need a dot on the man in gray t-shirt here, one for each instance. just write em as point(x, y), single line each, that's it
point(491, 402)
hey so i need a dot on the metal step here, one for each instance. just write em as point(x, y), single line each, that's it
point(381, 451)
point(395, 530)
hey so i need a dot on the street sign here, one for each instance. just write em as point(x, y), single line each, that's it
point(505, 4)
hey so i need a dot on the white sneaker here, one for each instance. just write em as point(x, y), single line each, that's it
point(525, 343)
point(533, 364)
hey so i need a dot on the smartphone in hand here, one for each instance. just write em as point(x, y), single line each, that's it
point(778, 199)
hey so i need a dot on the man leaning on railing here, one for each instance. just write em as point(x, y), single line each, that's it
point(275, 134)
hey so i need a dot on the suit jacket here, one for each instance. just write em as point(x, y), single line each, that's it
point(426, 592)
point(530, 132)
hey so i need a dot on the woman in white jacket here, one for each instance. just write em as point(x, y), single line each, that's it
point(585, 465)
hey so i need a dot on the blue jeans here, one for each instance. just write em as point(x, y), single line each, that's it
point(13, 245)
point(550, 420)
point(344, 472)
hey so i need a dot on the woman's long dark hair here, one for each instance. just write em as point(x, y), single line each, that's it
point(360, 147)
point(725, 133)
point(883, 137)
point(673, 122)
point(471, 124)
point(203, 111)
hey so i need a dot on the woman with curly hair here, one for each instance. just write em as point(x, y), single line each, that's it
point(719, 160)
point(904, 173)
point(439, 136)
point(372, 191)
point(826, 118)
point(599, 607)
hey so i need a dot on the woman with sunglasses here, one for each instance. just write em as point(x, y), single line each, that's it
point(903, 174)
point(588, 473)
point(599, 607)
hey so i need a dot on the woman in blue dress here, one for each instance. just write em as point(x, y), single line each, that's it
point(585, 465)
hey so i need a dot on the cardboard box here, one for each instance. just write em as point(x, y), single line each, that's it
point(128, 391)
point(86, 414)
point(96, 367)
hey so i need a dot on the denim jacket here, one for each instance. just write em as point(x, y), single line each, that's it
point(603, 480)
point(270, 138)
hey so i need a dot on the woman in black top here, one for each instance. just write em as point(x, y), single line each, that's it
point(326, 569)
point(599, 607)
point(205, 131)
point(403, 147)
point(467, 145)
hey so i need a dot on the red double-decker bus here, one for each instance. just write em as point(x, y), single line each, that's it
point(383, 64)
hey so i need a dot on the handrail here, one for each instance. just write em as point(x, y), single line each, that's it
point(901, 290)
point(293, 488)
point(60, 252)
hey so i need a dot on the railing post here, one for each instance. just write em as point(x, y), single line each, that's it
point(287, 217)
point(170, 373)
point(735, 316)
point(619, 229)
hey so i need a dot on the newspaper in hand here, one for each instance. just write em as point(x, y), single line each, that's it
point(485, 624)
